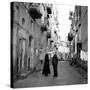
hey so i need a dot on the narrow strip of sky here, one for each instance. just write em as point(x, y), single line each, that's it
point(64, 22)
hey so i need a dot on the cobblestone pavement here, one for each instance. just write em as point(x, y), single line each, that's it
point(67, 75)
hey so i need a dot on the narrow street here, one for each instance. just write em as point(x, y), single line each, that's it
point(67, 75)
point(43, 32)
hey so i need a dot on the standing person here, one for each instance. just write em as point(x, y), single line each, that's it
point(46, 67)
point(54, 64)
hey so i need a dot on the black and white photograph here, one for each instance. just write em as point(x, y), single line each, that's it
point(49, 44)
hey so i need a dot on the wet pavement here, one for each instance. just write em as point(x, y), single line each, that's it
point(67, 75)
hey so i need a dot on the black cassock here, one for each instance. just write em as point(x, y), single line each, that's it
point(46, 67)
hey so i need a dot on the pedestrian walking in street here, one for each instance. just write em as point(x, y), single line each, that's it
point(46, 67)
point(54, 64)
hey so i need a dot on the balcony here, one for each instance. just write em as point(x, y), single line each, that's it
point(70, 37)
point(43, 28)
point(34, 13)
point(48, 34)
point(49, 10)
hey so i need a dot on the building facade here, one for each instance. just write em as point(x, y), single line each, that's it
point(79, 30)
point(30, 36)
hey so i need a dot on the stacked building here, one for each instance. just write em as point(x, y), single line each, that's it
point(78, 35)
point(30, 34)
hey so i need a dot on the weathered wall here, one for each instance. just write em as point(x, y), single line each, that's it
point(84, 28)
point(24, 26)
